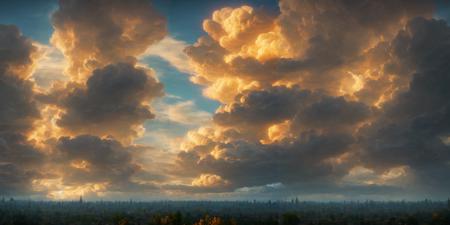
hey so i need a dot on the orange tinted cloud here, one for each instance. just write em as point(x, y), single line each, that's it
point(299, 89)
point(92, 34)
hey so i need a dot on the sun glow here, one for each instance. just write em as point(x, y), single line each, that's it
point(277, 132)
point(58, 191)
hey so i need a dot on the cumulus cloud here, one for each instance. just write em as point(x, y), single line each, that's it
point(89, 159)
point(19, 110)
point(68, 126)
point(263, 107)
point(339, 95)
point(92, 34)
point(311, 43)
point(246, 163)
point(332, 113)
point(326, 98)
point(95, 167)
point(233, 28)
point(108, 94)
point(115, 102)
point(19, 165)
point(15, 180)
point(98, 109)
point(17, 54)
point(19, 159)
point(412, 126)
point(209, 180)
point(260, 112)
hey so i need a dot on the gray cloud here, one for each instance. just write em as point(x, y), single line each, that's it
point(89, 159)
point(100, 40)
point(264, 107)
point(321, 130)
point(414, 124)
point(253, 164)
point(366, 90)
point(332, 113)
point(19, 164)
point(18, 111)
point(254, 111)
point(16, 51)
point(19, 160)
point(15, 180)
point(115, 102)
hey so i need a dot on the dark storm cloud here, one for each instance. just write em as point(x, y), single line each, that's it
point(414, 125)
point(308, 110)
point(337, 31)
point(253, 164)
point(90, 159)
point(359, 77)
point(18, 108)
point(19, 160)
point(15, 180)
point(19, 164)
point(115, 102)
point(321, 130)
point(264, 107)
point(332, 113)
point(16, 51)
point(14, 148)
point(341, 31)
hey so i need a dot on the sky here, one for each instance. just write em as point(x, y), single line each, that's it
point(228, 100)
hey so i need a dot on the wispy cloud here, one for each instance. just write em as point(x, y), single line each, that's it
point(50, 66)
point(171, 50)
point(182, 112)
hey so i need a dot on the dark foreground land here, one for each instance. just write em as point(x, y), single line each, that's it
point(224, 213)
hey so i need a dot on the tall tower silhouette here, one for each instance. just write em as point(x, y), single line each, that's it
point(81, 199)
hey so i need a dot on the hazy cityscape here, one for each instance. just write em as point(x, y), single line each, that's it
point(293, 212)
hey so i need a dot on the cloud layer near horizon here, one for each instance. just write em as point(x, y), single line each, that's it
point(342, 99)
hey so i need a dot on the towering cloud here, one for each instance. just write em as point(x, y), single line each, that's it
point(89, 122)
point(92, 119)
point(321, 93)
point(114, 102)
point(92, 34)
point(413, 130)
point(327, 97)
point(108, 94)
point(317, 44)
point(18, 112)
point(276, 135)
